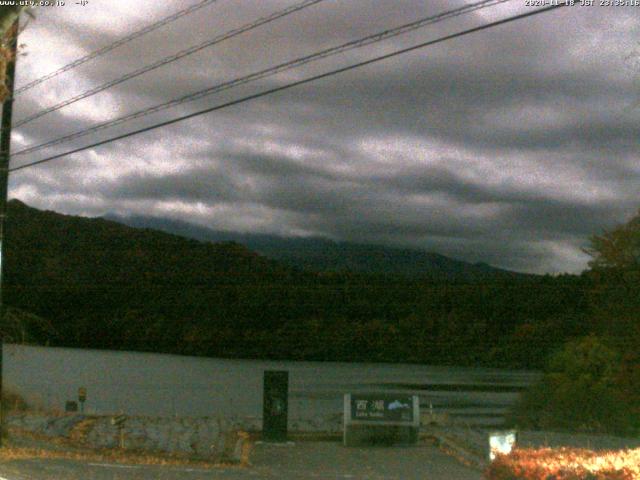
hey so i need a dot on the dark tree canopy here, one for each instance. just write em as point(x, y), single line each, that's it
point(99, 284)
point(618, 248)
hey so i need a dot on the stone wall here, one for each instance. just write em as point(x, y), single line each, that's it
point(206, 437)
point(202, 437)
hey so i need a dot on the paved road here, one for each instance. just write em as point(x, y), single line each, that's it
point(303, 460)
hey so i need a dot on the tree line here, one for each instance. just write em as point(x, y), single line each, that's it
point(99, 284)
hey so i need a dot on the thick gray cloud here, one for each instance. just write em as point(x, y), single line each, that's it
point(511, 146)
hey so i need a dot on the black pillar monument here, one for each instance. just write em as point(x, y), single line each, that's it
point(275, 406)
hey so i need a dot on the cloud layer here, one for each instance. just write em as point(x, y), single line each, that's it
point(510, 146)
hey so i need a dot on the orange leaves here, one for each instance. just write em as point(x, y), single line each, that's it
point(618, 248)
point(565, 464)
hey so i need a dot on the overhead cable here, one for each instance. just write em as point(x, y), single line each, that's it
point(169, 59)
point(101, 51)
point(271, 71)
point(281, 88)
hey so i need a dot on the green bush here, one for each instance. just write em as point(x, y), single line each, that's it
point(579, 391)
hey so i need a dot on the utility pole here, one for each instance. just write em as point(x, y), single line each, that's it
point(5, 153)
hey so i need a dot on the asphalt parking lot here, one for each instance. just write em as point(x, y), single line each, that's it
point(290, 461)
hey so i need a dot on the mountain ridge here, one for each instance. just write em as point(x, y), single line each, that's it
point(319, 254)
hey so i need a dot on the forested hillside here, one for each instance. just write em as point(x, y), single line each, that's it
point(100, 284)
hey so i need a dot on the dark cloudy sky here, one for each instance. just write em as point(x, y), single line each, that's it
point(509, 146)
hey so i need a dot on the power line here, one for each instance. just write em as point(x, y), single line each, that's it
point(97, 53)
point(269, 72)
point(170, 59)
point(295, 84)
point(368, 40)
point(373, 38)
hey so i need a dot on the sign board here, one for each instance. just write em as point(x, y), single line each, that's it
point(82, 394)
point(381, 418)
point(501, 442)
point(275, 406)
point(398, 409)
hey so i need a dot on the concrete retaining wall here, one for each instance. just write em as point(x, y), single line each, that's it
point(209, 437)
point(204, 437)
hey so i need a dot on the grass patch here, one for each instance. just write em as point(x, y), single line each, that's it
point(12, 402)
point(118, 456)
point(40, 446)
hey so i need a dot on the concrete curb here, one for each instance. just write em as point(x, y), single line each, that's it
point(464, 451)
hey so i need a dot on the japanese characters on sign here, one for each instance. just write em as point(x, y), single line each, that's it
point(387, 408)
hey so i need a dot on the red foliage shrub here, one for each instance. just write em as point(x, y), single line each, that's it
point(565, 464)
